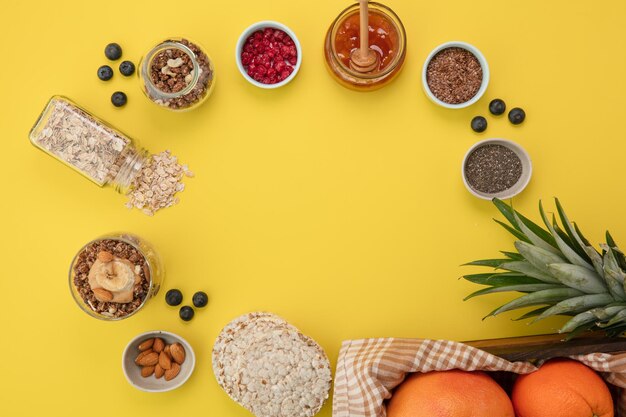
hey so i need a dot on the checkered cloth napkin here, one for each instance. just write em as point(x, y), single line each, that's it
point(369, 369)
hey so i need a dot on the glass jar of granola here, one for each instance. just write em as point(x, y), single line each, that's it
point(113, 276)
point(177, 74)
point(87, 144)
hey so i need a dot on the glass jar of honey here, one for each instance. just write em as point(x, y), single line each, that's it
point(387, 38)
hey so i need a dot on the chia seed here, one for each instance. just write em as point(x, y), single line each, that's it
point(492, 169)
point(454, 75)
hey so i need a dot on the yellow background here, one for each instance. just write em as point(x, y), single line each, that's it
point(345, 236)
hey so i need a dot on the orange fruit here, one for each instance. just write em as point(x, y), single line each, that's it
point(562, 388)
point(452, 393)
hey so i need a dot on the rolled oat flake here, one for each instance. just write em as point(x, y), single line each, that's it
point(107, 156)
point(492, 169)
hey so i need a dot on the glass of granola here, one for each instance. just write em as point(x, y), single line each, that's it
point(113, 276)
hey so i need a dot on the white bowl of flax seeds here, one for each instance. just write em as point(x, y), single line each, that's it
point(455, 75)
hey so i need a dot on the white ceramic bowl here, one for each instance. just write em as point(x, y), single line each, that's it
point(260, 26)
point(481, 60)
point(521, 183)
point(132, 372)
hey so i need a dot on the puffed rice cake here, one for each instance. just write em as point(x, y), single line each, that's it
point(267, 366)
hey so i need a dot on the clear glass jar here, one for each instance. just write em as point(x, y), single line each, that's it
point(125, 246)
point(87, 144)
point(177, 74)
point(392, 59)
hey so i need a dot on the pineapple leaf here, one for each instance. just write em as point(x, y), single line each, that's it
point(534, 239)
point(521, 236)
point(580, 235)
point(576, 305)
point(527, 288)
point(507, 211)
point(609, 240)
point(527, 269)
point(537, 257)
point(532, 313)
point(549, 297)
point(505, 278)
point(614, 276)
point(494, 263)
point(565, 248)
point(577, 241)
point(513, 255)
point(578, 320)
point(578, 331)
point(539, 231)
point(577, 277)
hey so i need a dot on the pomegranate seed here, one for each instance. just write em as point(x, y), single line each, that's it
point(280, 65)
point(271, 72)
point(246, 58)
point(261, 70)
point(284, 74)
point(293, 60)
point(279, 34)
point(266, 80)
point(258, 35)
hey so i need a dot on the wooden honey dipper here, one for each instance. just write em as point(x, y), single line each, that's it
point(364, 59)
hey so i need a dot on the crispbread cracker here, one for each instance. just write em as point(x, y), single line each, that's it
point(266, 365)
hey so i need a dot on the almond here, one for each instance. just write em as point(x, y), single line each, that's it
point(158, 371)
point(141, 355)
point(166, 349)
point(158, 345)
point(178, 353)
point(164, 361)
point(172, 372)
point(146, 371)
point(146, 344)
point(102, 294)
point(105, 256)
point(150, 359)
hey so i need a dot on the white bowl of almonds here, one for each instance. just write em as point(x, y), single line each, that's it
point(158, 361)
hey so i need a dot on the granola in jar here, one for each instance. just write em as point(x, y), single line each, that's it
point(177, 74)
point(112, 277)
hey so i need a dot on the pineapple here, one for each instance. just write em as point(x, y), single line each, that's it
point(558, 270)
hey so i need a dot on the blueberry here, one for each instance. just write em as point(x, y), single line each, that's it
point(497, 107)
point(173, 297)
point(200, 299)
point(113, 51)
point(186, 313)
point(105, 73)
point(479, 124)
point(119, 99)
point(517, 116)
point(127, 68)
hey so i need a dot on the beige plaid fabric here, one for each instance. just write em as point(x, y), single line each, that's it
point(369, 369)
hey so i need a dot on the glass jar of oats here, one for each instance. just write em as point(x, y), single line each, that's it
point(87, 144)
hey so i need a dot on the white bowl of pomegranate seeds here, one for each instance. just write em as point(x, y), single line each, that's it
point(268, 54)
point(455, 75)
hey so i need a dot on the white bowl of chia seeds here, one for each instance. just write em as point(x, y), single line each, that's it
point(455, 75)
point(496, 168)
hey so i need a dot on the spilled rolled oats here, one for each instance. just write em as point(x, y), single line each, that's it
point(266, 365)
point(107, 156)
point(157, 183)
